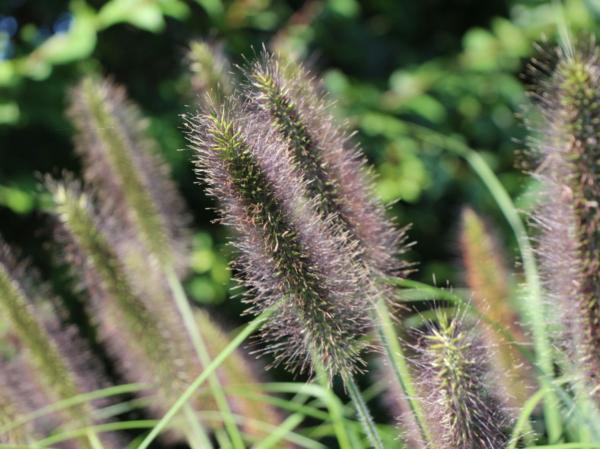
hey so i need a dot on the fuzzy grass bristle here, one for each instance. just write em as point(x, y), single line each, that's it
point(26, 325)
point(290, 258)
point(121, 161)
point(567, 150)
point(49, 362)
point(10, 411)
point(456, 399)
point(333, 169)
point(138, 339)
point(489, 282)
point(209, 71)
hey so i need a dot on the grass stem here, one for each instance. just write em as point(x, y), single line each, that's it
point(199, 344)
point(400, 367)
point(363, 413)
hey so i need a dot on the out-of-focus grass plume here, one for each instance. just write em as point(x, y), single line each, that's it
point(46, 361)
point(566, 151)
point(120, 161)
point(146, 349)
point(210, 72)
point(487, 277)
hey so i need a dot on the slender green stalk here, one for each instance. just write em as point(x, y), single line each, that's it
point(208, 370)
point(534, 302)
point(363, 413)
point(336, 411)
point(297, 439)
point(93, 439)
point(566, 446)
point(100, 428)
point(185, 310)
point(400, 367)
point(275, 437)
point(198, 439)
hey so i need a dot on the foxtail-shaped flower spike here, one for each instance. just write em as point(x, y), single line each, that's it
point(121, 162)
point(210, 71)
point(49, 363)
point(462, 414)
point(146, 350)
point(567, 151)
point(489, 282)
point(290, 258)
point(333, 169)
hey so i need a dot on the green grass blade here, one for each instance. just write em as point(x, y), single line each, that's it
point(363, 413)
point(185, 310)
point(401, 369)
point(73, 401)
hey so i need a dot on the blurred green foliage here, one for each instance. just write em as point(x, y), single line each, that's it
point(450, 65)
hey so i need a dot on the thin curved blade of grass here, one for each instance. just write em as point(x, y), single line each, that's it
point(289, 436)
point(101, 428)
point(566, 446)
point(337, 411)
point(73, 401)
point(278, 434)
point(288, 405)
point(522, 424)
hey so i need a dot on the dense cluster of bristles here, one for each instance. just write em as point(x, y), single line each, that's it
point(120, 161)
point(313, 243)
point(332, 167)
point(454, 387)
point(290, 258)
point(566, 153)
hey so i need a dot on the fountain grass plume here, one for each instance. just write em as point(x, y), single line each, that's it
point(146, 339)
point(487, 278)
point(49, 361)
point(289, 100)
point(121, 161)
point(334, 169)
point(137, 337)
point(566, 153)
point(209, 71)
point(289, 257)
point(458, 404)
point(28, 327)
